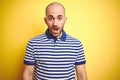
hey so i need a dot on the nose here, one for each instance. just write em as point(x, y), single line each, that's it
point(55, 22)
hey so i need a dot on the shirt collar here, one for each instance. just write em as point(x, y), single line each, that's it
point(50, 36)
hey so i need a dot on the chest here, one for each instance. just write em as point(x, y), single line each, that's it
point(55, 54)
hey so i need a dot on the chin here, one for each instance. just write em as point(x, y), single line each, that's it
point(56, 35)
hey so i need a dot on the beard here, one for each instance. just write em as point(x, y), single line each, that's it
point(56, 31)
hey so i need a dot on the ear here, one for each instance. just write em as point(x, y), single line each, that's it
point(65, 19)
point(45, 20)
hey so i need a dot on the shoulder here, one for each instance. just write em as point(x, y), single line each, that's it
point(72, 39)
point(38, 38)
point(74, 42)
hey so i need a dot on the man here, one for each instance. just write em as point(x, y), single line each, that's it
point(54, 55)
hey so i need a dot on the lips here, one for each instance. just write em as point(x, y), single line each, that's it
point(55, 29)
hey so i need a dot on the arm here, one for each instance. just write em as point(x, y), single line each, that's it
point(28, 72)
point(81, 72)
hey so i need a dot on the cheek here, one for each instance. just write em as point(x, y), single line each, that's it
point(62, 23)
point(49, 24)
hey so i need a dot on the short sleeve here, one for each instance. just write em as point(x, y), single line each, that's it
point(80, 57)
point(29, 56)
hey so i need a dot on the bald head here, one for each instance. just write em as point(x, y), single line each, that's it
point(53, 6)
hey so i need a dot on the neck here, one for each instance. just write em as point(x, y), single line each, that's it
point(59, 36)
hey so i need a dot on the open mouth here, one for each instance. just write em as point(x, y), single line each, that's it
point(55, 29)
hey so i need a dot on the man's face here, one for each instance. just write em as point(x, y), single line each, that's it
point(55, 20)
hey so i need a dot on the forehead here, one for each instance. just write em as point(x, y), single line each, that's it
point(55, 10)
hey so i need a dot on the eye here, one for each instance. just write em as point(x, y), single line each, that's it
point(50, 18)
point(60, 18)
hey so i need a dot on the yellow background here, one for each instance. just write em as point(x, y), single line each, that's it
point(95, 22)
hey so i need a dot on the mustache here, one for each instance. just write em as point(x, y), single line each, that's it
point(55, 26)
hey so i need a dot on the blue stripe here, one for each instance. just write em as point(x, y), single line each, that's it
point(28, 63)
point(55, 71)
point(56, 54)
point(59, 51)
point(58, 48)
point(78, 63)
point(54, 45)
point(54, 67)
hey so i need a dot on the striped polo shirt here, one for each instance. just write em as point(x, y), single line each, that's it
point(54, 59)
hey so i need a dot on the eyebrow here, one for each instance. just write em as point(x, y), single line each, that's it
point(50, 16)
point(57, 16)
point(60, 16)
